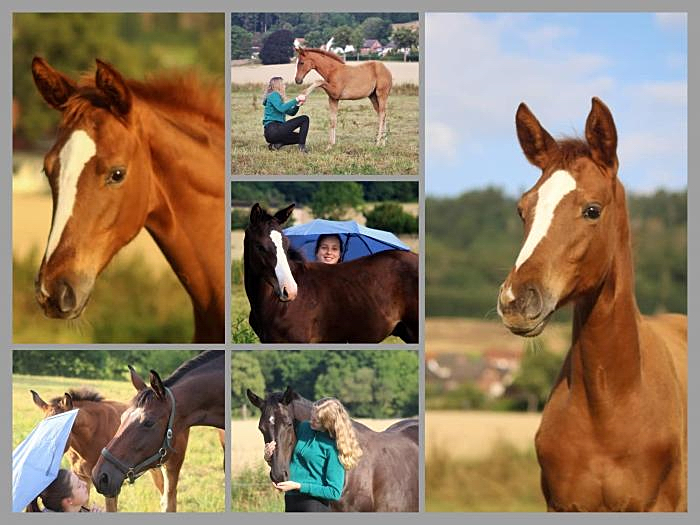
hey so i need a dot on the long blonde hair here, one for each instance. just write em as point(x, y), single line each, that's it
point(275, 84)
point(333, 417)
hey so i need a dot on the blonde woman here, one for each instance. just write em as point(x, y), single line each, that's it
point(277, 130)
point(326, 447)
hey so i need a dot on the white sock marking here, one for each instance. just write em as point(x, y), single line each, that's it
point(550, 194)
point(74, 155)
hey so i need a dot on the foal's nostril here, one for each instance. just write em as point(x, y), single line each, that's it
point(533, 303)
point(66, 297)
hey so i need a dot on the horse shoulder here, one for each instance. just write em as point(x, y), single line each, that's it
point(664, 340)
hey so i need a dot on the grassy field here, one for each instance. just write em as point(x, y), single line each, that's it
point(201, 485)
point(481, 462)
point(354, 153)
point(251, 489)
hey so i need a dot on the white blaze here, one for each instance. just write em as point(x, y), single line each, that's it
point(550, 194)
point(282, 270)
point(74, 155)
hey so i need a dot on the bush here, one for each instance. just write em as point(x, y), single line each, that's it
point(389, 216)
point(278, 48)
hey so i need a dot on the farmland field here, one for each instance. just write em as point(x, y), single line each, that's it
point(201, 485)
point(481, 461)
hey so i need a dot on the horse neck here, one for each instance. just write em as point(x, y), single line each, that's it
point(105, 417)
point(605, 354)
point(325, 66)
point(301, 408)
point(186, 203)
point(199, 397)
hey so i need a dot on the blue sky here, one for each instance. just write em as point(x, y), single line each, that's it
point(480, 66)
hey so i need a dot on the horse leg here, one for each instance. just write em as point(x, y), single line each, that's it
point(168, 502)
point(157, 477)
point(379, 103)
point(333, 107)
point(315, 84)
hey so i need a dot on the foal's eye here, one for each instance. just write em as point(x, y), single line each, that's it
point(116, 175)
point(149, 423)
point(592, 211)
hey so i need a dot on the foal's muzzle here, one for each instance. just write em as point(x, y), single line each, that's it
point(62, 298)
point(524, 310)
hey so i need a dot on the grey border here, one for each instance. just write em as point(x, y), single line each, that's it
point(226, 7)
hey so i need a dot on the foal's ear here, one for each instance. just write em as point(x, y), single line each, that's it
point(38, 401)
point(112, 85)
point(255, 400)
point(282, 215)
point(601, 134)
point(256, 214)
point(289, 396)
point(54, 86)
point(538, 145)
point(136, 380)
point(157, 385)
point(67, 402)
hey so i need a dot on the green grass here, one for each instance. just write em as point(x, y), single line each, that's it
point(506, 481)
point(354, 153)
point(252, 491)
point(130, 303)
point(201, 484)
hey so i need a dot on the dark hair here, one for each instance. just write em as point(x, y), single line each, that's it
point(325, 236)
point(52, 496)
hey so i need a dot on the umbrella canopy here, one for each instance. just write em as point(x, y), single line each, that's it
point(36, 460)
point(358, 240)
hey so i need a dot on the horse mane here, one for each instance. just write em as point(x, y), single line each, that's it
point(194, 363)
point(80, 394)
point(294, 255)
point(180, 91)
point(572, 148)
point(329, 54)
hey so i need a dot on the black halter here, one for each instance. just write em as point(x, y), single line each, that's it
point(134, 472)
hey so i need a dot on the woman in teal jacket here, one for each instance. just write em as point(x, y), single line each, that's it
point(277, 130)
point(326, 447)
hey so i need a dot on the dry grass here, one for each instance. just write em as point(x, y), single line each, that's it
point(354, 153)
point(473, 434)
point(473, 336)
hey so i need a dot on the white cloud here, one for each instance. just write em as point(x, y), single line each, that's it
point(441, 140)
point(667, 93)
point(672, 21)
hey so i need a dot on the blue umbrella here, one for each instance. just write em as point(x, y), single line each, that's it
point(36, 460)
point(358, 240)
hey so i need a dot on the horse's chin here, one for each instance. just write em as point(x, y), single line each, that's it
point(530, 330)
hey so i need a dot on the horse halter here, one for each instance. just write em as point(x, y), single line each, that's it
point(132, 473)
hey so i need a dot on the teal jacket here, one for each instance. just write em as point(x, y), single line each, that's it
point(315, 464)
point(275, 109)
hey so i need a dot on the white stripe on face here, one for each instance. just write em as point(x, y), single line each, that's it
point(550, 194)
point(74, 155)
point(282, 270)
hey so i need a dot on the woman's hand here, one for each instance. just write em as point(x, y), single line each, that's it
point(301, 99)
point(269, 450)
point(286, 486)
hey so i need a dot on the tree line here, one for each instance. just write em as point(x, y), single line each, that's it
point(331, 200)
point(472, 241)
point(98, 364)
point(274, 33)
point(371, 384)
